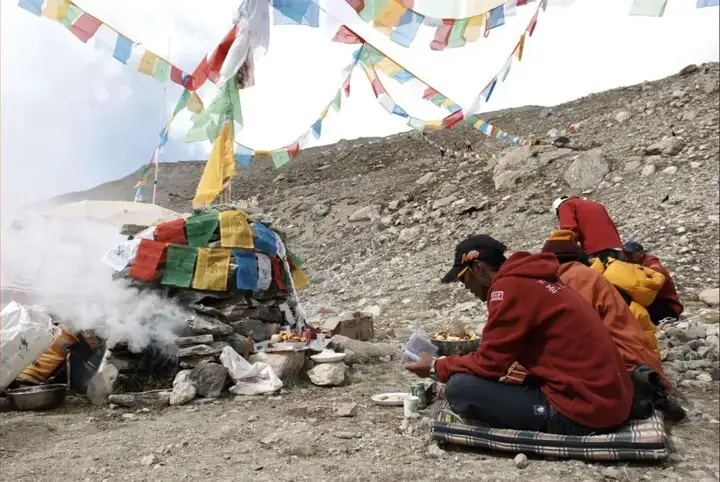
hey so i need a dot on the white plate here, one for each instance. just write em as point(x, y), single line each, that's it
point(394, 399)
point(325, 357)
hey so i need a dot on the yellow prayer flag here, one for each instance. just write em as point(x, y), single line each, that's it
point(56, 9)
point(211, 269)
point(435, 124)
point(388, 67)
point(195, 104)
point(390, 15)
point(324, 112)
point(478, 123)
point(235, 231)
point(519, 47)
point(219, 167)
point(148, 63)
point(300, 280)
point(475, 28)
point(446, 103)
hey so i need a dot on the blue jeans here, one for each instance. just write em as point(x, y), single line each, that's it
point(502, 405)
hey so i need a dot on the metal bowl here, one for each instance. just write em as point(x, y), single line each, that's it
point(462, 347)
point(41, 397)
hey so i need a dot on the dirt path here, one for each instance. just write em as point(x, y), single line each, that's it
point(295, 436)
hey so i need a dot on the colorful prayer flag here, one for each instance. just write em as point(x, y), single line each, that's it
point(390, 15)
point(162, 71)
point(235, 231)
point(264, 271)
point(417, 124)
point(32, 6)
point(346, 36)
point(265, 239)
point(56, 9)
point(212, 269)
point(123, 49)
point(457, 34)
point(200, 228)
point(296, 12)
point(246, 273)
point(280, 157)
point(407, 28)
point(442, 35)
point(208, 124)
point(336, 102)
point(496, 17)
point(707, 3)
point(172, 232)
point(219, 168)
point(648, 8)
point(452, 119)
point(487, 91)
point(72, 14)
point(148, 62)
point(277, 273)
point(399, 111)
point(300, 280)
point(317, 129)
point(243, 155)
point(180, 266)
point(85, 27)
point(519, 47)
point(149, 255)
point(293, 150)
point(475, 28)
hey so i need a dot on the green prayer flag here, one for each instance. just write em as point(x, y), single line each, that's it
point(180, 265)
point(336, 101)
point(200, 228)
point(438, 99)
point(207, 124)
point(162, 71)
point(182, 102)
point(506, 70)
point(417, 124)
point(648, 8)
point(372, 9)
point(72, 14)
point(295, 259)
point(457, 34)
point(280, 157)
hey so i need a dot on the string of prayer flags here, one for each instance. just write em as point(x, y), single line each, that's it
point(277, 274)
point(265, 239)
point(246, 273)
point(707, 3)
point(235, 231)
point(264, 269)
point(172, 232)
point(219, 168)
point(280, 157)
point(243, 155)
point(648, 8)
point(149, 255)
point(296, 12)
point(180, 265)
point(200, 228)
point(208, 123)
point(212, 269)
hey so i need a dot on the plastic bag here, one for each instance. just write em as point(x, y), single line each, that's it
point(251, 378)
point(419, 343)
point(24, 335)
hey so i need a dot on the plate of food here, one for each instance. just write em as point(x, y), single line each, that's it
point(394, 399)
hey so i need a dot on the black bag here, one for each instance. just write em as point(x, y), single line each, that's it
point(649, 394)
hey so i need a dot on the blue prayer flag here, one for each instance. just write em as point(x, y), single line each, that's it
point(265, 240)
point(397, 110)
point(296, 12)
point(317, 128)
point(707, 3)
point(408, 27)
point(497, 17)
point(489, 90)
point(243, 155)
point(32, 6)
point(247, 270)
point(403, 76)
point(123, 49)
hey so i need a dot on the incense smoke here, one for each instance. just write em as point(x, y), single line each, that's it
point(59, 259)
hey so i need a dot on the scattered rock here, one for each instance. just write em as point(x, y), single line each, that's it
point(149, 460)
point(320, 210)
point(648, 170)
point(368, 213)
point(435, 451)
point(622, 116)
point(202, 350)
point(347, 435)
point(346, 409)
point(182, 376)
point(446, 201)
point(259, 330)
point(327, 374)
point(587, 170)
point(687, 70)
point(710, 297)
point(668, 146)
point(427, 178)
point(102, 384)
point(153, 398)
point(632, 166)
point(521, 461)
point(209, 379)
point(670, 170)
point(183, 392)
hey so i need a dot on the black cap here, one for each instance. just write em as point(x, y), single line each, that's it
point(480, 247)
point(633, 247)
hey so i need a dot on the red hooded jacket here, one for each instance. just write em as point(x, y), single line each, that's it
point(591, 223)
point(668, 292)
point(556, 335)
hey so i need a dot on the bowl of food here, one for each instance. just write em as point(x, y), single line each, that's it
point(458, 344)
point(40, 397)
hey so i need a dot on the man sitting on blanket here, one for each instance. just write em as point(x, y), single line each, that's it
point(578, 384)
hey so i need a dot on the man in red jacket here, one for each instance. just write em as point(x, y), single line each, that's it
point(667, 302)
point(592, 225)
point(578, 383)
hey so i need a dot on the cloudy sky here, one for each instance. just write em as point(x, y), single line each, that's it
point(73, 117)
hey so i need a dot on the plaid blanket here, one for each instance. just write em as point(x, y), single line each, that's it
point(637, 440)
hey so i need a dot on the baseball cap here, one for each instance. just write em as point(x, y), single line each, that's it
point(479, 247)
point(633, 247)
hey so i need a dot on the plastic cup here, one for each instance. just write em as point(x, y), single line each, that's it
point(410, 405)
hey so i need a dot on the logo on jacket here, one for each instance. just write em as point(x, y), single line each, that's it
point(551, 287)
point(496, 295)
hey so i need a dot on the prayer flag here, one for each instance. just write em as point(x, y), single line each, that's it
point(162, 71)
point(475, 28)
point(72, 14)
point(371, 9)
point(390, 15)
point(532, 25)
point(208, 124)
point(177, 76)
point(356, 5)
point(346, 36)
point(235, 231)
point(265, 239)
point(429, 93)
point(123, 49)
point(505, 70)
point(387, 103)
point(32, 6)
point(346, 87)
point(442, 35)
point(519, 47)
point(434, 124)
point(317, 128)
point(200, 228)
point(148, 62)
point(377, 87)
point(56, 9)
point(219, 168)
point(149, 255)
point(707, 3)
point(180, 266)
point(336, 102)
point(243, 155)
point(246, 273)
point(487, 91)
point(452, 119)
point(195, 104)
point(293, 150)
point(304, 140)
point(300, 280)
point(648, 8)
point(403, 76)
point(457, 34)
point(172, 232)
point(182, 102)
point(218, 56)
point(85, 27)
point(397, 110)
point(280, 157)
point(277, 273)
point(212, 269)
point(496, 18)
point(296, 12)
point(417, 124)
point(264, 271)
point(388, 67)
point(407, 28)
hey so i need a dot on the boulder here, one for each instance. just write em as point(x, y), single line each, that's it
point(238, 342)
point(182, 393)
point(368, 213)
point(648, 170)
point(202, 350)
point(710, 296)
point(522, 161)
point(327, 374)
point(102, 384)
point(362, 351)
point(182, 376)
point(668, 146)
point(203, 325)
point(257, 329)
point(285, 365)
point(587, 170)
point(427, 178)
point(209, 378)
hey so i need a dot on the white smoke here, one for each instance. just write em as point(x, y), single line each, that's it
point(58, 261)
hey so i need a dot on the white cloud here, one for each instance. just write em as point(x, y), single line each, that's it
point(73, 117)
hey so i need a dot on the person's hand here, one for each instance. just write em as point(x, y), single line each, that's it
point(421, 367)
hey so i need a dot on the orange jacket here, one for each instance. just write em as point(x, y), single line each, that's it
point(624, 328)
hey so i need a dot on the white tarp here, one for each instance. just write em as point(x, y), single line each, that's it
point(252, 378)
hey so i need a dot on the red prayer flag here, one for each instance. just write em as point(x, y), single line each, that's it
point(85, 27)
point(533, 23)
point(176, 75)
point(429, 93)
point(520, 3)
point(218, 56)
point(277, 273)
point(357, 5)
point(346, 87)
point(377, 87)
point(442, 34)
point(293, 150)
point(199, 76)
point(409, 4)
point(451, 120)
point(149, 255)
point(171, 232)
point(346, 36)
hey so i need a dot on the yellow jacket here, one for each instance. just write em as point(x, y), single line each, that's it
point(643, 317)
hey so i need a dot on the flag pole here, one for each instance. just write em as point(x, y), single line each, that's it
point(157, 149)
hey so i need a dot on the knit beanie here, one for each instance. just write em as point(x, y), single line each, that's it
point(563, 245)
